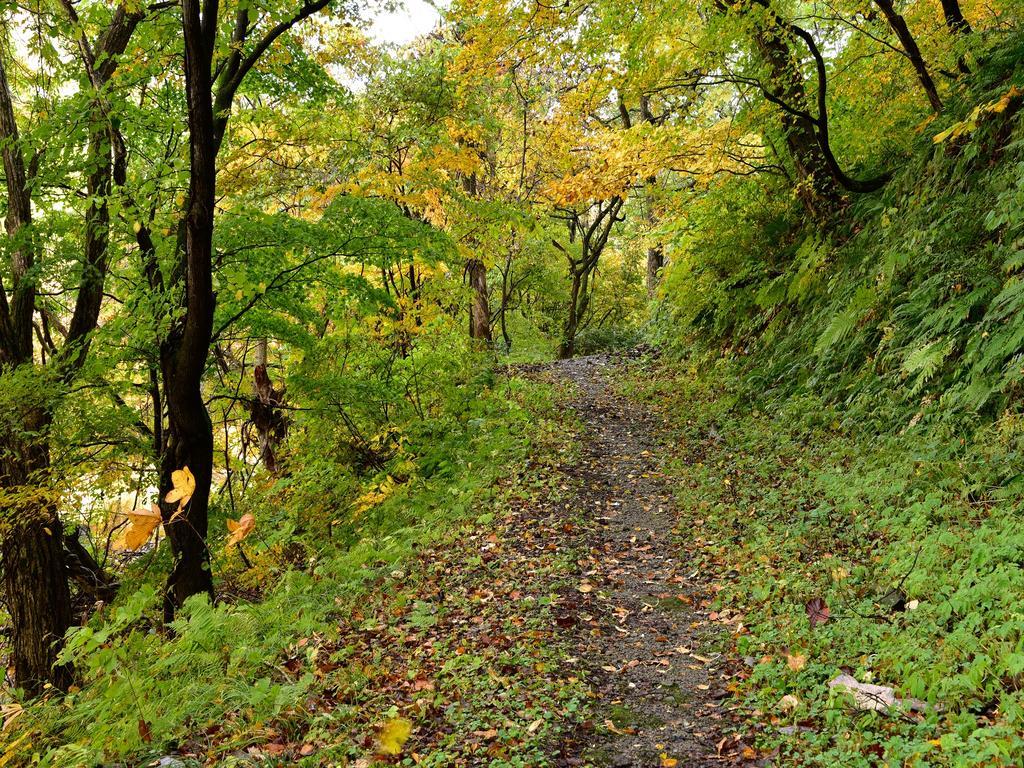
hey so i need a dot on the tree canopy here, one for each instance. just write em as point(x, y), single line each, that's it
point(263, 272)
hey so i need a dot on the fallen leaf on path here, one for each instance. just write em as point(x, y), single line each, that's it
point(817, 611)
point(788, 703)
point(796, 661)
point(393, 735)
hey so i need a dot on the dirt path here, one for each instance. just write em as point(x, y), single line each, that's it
point(640, 630)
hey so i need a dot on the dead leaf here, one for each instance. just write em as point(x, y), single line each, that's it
point(10, 713)
point(817, 611)
point(240, 528)
point(393, 735)
point(142, 524)
point(184, 486)
point(796, 661)
point(788, 703)
point(145, 732)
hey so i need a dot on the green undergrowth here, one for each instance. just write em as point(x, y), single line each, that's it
point(912, 540)
point(848, 400)
point(338, 624)
point(910, 297)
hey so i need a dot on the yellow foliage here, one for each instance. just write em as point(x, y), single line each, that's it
point(184, 486)
point(970, 123)
point(376, 495)
point(240, 529)
point(393, 735)
point(142, 523)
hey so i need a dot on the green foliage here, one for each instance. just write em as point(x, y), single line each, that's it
point(915, 297)
point(225, 669)
point(849, 411)
point(800, 501)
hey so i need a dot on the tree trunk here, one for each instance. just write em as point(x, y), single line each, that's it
point(506, 298)
point(656, 252)
point(184, 352)
point(31, 546)
point(189, 444)
point(32, 550)
point(655, 261)
point(479, 309)
point(899, 27)
point(94, 584)
point(816, 186)
point(34, 569)
point(955, 21)
point(265, 411)
point(567, 346)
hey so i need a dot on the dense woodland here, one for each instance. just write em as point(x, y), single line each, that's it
point(277, 300)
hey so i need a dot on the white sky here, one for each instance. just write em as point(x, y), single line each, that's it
point(412, 19)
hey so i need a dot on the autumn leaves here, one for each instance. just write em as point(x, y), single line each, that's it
point(143, 522)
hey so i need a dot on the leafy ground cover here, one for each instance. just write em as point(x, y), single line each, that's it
point(427, 639)
point(893, 557)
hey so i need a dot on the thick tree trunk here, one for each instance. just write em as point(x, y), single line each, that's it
point(479, 309)
point(899, 27)
point(816, 186)
point(32, 550)
point(31, 545)
point(16, 316)
point(34, 569)
point(184, 352)
point(189, 444)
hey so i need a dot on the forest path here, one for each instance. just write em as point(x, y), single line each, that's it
point(640, 630)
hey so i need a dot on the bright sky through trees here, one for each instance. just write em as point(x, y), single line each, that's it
point(404, 24)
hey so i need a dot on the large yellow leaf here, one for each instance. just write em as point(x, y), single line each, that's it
point(184, 486)
point(393, 735)
point(240, 528)
point(143, 523)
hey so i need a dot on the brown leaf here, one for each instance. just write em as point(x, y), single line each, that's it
point(145, 732)
point(796, 661)
point(817, 611)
